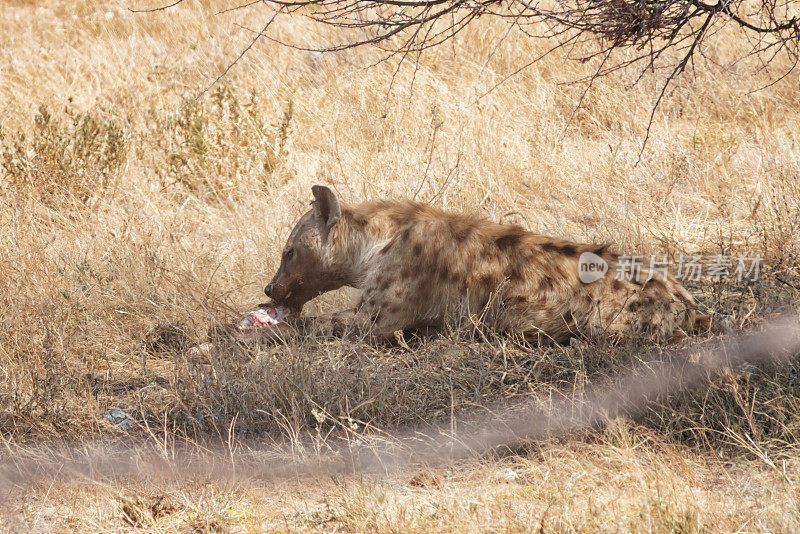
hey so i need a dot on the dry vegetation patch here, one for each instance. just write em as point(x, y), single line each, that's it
point(628, 479)
point(132, 199)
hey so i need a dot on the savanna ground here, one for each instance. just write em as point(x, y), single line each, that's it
point(129, 202)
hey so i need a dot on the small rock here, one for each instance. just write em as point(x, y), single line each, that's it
point(746, 367)
point(507, 475)
point(200, 351)
point(425, 479)
point(727, 325)
point(118, 418)
point(576, 343)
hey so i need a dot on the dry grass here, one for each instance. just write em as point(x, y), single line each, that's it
point(128, 202)
point(632, 481)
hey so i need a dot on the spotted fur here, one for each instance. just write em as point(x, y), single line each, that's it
point(418, 266)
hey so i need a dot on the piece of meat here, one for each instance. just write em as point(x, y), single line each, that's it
point(265, 315)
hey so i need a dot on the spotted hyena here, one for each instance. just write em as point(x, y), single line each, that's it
point(418, 267)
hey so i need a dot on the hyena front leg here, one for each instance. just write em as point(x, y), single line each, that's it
point(355, 322)
point(386, 306)
point(334, 324)
point(377, 324)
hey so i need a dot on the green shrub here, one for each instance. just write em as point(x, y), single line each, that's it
point(73, 156)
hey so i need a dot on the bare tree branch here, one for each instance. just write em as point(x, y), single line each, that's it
point(665, 35)
point(161, 8)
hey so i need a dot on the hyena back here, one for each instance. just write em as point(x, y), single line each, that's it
point(417, 266)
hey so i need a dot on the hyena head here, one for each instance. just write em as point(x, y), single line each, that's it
point(308, 267)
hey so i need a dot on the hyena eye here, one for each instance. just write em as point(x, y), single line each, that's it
point(288, 254)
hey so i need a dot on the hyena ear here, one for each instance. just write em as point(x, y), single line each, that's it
point(326, 208)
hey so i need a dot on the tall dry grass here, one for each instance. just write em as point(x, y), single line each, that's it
point(132, 198)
